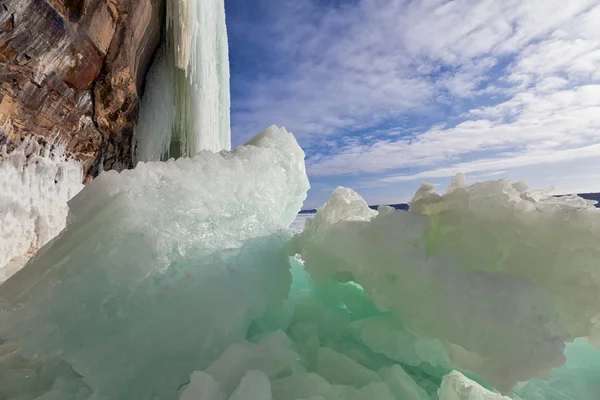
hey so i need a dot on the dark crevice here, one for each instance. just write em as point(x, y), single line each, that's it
point(75, 9)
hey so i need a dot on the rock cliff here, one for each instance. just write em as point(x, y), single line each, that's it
point(72, 71)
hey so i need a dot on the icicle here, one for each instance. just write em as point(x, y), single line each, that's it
point(186, 105)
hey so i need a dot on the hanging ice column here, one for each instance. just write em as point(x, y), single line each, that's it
point(185, 108)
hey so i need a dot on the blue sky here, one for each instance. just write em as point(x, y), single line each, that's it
point(383, 95)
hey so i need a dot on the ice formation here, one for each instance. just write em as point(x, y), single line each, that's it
point(456, 386)
point(329, 341)
point(304, 349)
point(159, 269)
point(185, 108)
point(501, 276)
point(179, 279)
point(35, 184)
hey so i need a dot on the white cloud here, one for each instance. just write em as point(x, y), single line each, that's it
point(535, 64)
point(352, 67)
point(495, 164)
point(529, 123)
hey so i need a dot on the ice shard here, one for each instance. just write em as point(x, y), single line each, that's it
point(186, 105)
point(160, 268)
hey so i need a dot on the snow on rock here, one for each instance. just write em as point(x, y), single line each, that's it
point(161, 267)
point(35, 184)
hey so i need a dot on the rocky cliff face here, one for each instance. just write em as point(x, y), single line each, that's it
point(71, 71)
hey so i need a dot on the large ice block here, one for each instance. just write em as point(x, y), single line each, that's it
point(500, 275)
point(160, 268)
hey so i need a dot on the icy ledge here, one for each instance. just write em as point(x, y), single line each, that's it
point(35, 184)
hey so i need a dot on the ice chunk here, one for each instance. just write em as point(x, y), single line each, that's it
point(302, 385)
point(340, 369)
point(402, 385)
point(273, 355)
point(161, 267)
point(377, 391)
point(23, 378)
point(254, 386)
point(576, 380)
point(202, 387)
point(385, 335)
point(36, 182)
point(459, 268)
point(456, 386)
point(347, 205)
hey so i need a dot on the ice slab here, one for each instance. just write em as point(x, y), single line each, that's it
point(160, 268)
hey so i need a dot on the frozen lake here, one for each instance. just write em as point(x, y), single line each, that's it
point(298, 225)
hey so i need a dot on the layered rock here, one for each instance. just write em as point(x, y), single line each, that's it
point(72, 71)
point(71, 76)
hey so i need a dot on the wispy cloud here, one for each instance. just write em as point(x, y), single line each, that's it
point(401, 90)
point(524, 127)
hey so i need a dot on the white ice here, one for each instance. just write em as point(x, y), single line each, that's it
point(456, 386)
point(161, 267)
point(459, 268)
point(35, 184)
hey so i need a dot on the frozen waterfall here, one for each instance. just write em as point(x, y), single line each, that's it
point(185, 108)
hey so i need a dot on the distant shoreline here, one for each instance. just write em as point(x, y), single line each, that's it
point(404, 206)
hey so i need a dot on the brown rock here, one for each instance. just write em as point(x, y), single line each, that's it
point(73, 70)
